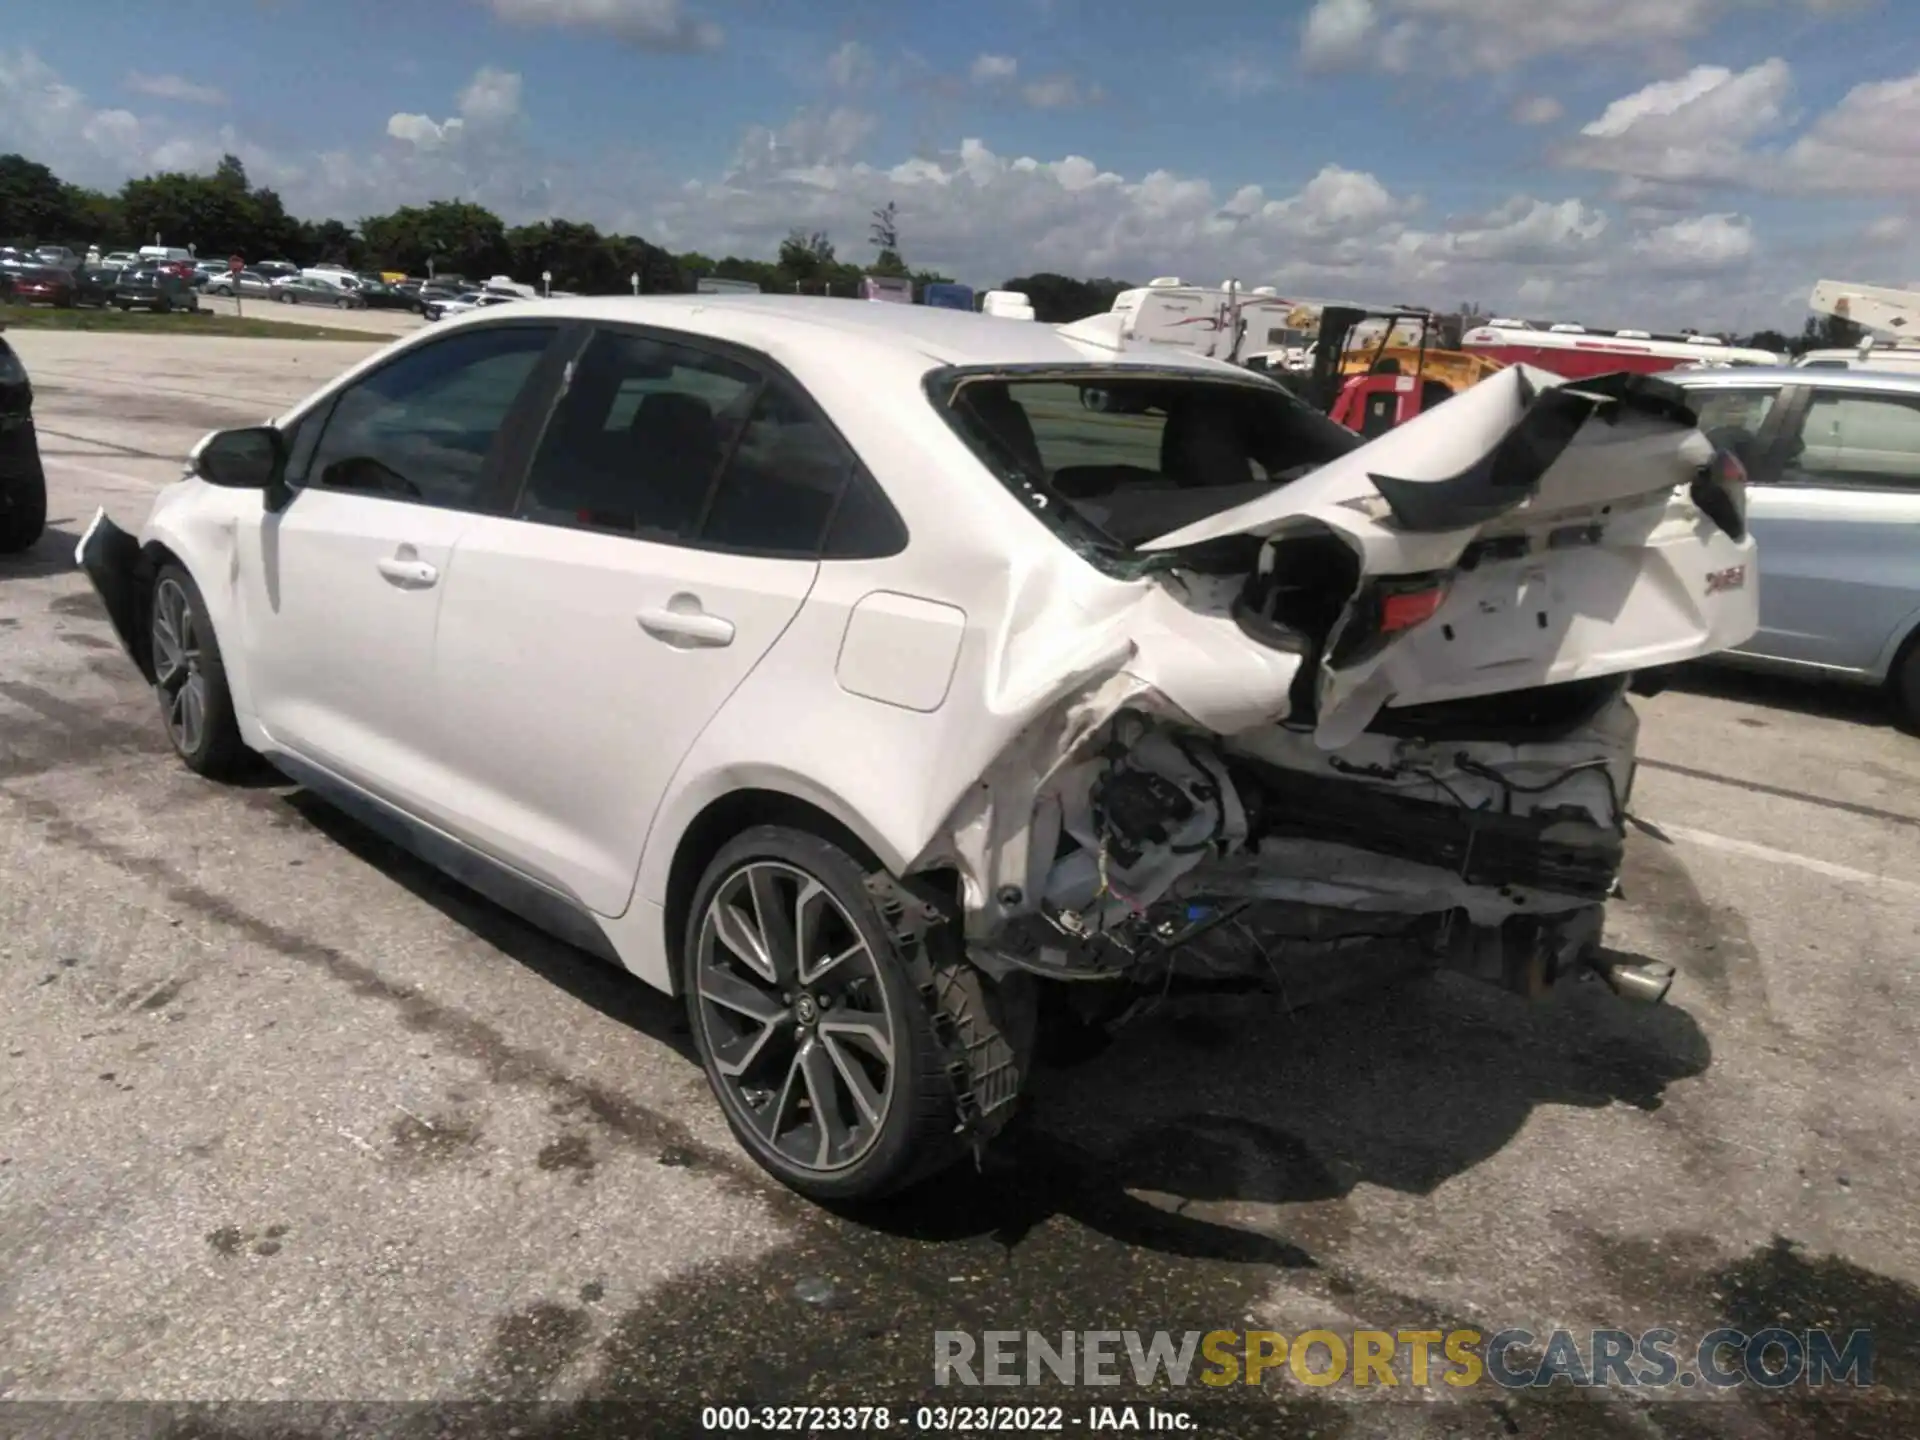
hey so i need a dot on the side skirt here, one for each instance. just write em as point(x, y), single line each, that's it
point(540, 905)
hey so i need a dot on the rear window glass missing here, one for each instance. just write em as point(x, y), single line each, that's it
point(1112, 460)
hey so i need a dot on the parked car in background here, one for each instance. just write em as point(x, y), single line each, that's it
point(95, 284)
point(247, 284)
point(121, 258)
point(23, 484)
point(205, 270)
point(1833, 497)
point(379, 295)
point(466, 303)
point(304, 290)
point(884, 687)
point(44, 285)
point(58, 255)
point(275, 269)
point(156, 287)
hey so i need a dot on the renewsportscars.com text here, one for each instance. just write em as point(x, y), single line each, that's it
point(1389, 1359)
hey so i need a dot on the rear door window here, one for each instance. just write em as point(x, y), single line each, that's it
point(634, 444)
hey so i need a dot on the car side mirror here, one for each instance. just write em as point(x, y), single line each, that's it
point(249, 459)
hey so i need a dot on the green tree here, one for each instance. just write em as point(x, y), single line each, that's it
point(1059, 299)
point(33, 203)
point(450, 235)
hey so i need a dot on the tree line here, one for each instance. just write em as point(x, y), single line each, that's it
point(223, 213)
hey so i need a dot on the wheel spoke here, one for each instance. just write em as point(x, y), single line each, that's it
point(783, 1103)
point(739, 996)
point(832, 962)
point(830, 1126)
point(738, 930)
point(776, 921)
point(866, 1028)
point(854, 1078)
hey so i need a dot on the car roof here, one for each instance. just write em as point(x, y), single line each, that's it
point(1853, 378)
point(946, 337)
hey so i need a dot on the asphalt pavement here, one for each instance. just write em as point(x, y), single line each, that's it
point(285, 1117)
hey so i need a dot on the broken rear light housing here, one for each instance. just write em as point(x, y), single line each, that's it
point(1387, 608)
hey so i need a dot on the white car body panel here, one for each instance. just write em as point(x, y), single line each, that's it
point(574, 671)
point(522, 706)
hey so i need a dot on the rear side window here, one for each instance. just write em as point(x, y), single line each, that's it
point(793, 487)
point(1742, 409)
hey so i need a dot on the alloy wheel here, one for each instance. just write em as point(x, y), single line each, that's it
point(796, 1017)
point(176, 666)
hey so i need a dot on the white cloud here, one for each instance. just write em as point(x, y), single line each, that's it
point(1045, 92)
point(1537, 110)
point(1712, 243)
point(1868, 144)
point(1888, 230)
point(992, 69)
point(174, 87)
point(1492, 36)
point(488, 103)
point(849, 66)
point(664, 25)
point(1693, 129)
point(1337, 33)
point(1060, 92)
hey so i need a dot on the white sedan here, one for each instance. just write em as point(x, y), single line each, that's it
point(834, 667)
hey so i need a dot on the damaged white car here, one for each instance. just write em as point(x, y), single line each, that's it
point(836, 667)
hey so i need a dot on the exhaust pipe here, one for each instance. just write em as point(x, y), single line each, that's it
point(1645, 984)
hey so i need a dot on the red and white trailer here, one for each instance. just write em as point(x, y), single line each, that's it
point(1577, 352)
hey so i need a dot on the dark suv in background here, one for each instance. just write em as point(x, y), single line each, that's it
point(154, 287)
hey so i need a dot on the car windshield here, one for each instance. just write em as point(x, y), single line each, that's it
point(1109, 459)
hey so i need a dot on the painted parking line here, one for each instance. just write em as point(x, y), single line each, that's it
point(1730, 846)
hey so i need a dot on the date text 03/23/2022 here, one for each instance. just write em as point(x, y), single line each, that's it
point(944, 1419)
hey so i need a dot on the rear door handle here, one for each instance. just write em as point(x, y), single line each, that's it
point(409, 574)
point(686, 628)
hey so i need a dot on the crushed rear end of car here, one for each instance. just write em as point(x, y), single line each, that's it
point(1366, 709)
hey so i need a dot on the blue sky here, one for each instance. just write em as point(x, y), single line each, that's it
point(1595, 158)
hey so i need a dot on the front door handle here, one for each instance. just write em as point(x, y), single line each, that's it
point(409, 574)
point(688, 627)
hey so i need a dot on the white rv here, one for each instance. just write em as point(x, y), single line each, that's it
point(1227, 323)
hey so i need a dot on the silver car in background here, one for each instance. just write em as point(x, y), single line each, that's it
point(1833, 464)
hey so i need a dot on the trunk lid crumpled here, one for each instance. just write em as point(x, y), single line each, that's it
point(1546, 510)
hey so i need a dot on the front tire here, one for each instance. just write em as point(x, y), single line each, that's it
point(191, 679)
point(813, 1034)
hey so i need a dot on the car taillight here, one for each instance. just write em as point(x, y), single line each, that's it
point(1402, 610)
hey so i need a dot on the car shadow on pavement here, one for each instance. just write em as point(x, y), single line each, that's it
point(1821, 699)
point(1238, 1102)
point(587, 978)
point(52, 554)
point(1207, 1104)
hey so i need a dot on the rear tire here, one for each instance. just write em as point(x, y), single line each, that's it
point(191, 679)
point(23, 508)
point(1903, 686)
point(803, 1005)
